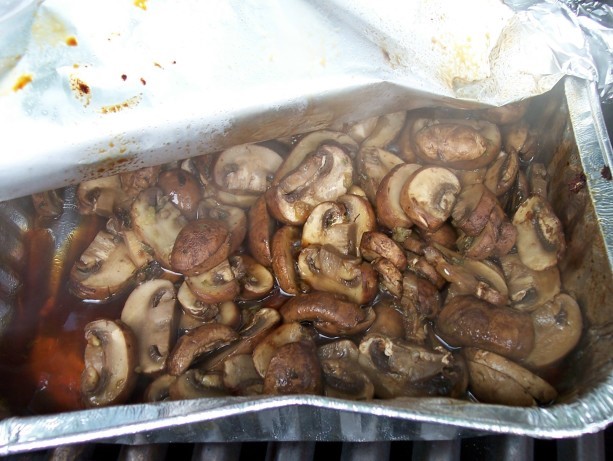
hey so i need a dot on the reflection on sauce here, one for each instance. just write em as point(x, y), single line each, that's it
point(141, 4)
point(71, 41)
point(22, 81)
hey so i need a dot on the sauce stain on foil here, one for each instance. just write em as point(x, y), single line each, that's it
point(142, 4)
point(113, 108)
point(81, 90)
point(71, 41)
point(22, 81)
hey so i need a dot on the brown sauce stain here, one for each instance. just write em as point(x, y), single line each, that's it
point(22, 81)
point(113, 108)
point(606, 173)
point(81, 90)
point(72, 41)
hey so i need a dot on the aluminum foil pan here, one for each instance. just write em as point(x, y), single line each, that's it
point(575, 143)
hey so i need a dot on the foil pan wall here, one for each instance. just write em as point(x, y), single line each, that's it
point(94, 89)
point(575, 143)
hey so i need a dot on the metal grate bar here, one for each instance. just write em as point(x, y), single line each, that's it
point(296, 451)
point(365, 451)
point(588, 447)
point(443, 450)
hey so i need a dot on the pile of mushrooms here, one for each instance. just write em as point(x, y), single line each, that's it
point(413, 254)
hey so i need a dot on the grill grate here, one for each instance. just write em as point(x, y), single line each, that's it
point(590, 447)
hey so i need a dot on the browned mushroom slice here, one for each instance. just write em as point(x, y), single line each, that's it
point(140, 253)
point(309, 144)
point(509, 113)
point(340, 349)
point(197, 384)
point(158, 389)
point(294, 369)
point(521, 139)
point(558, 325)
point(285, 248)
point(216, 285)
point(359, 211)
point(389, 211)
point(197, 342)
point(429, 195)
point(200, 246)
point(104, 269)
point(540, 237)
point(101, 196)
point(501, 173)
point(254, 279)
point(324, 269)
point(110, 357)
point(323, 176)
point(157, 222)
point(233, 217)
point(133, 182)
point(528, 288)
point(246, 169)
point(421, 294)
point(373, 164)
point(183, 189)
point(361, 129)
point(480, 246)
point(457, 143)
point(390, 277)
point(388, 321)
point(472, 210)
point(446, 235)
point(468, 276)
point(48, 204)
point(538, 179)
point(287, 333)
point(424, 268)
point(150, 311)
point(517, 195)
point(240, 376)
point(495, 379)
point(401, 369)
point(468, 321)
point(375, 245)
point(331, 315)
point(344, 379)
point(260, 232)
point(197, 312)
point(387, 129)
point(470, 177)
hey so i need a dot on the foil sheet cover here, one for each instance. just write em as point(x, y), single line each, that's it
point(93, 89)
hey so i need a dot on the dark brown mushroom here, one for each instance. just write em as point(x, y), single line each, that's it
point(184, 190)
point(375, 245)
point(472, 209)
point(285, 248)
point(471, 322)
point(389, 211)
point(150, 311)
point(331, 314)
point(110, 357)
point(158, 389)
point(233, 217)
point(388, 321)
point(294, 369)
point(197, 384)
point(501, 174)
point(390, 277)
point(200, 246)
point(344, 379)
point(260, 232)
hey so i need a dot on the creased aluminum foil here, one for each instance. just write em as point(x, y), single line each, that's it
point(93, 88)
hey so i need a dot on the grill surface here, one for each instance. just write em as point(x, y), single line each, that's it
point(590, 447)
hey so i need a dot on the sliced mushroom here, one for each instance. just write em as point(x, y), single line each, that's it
point(521, 139)
point(495, 379)
point(540, 237)
point(216, 285)
point(285, 248)
point(337, 350)
point(344, 379)
point(233, 217)
point(400, 369)
point(309, 144)
point(457, 143)
point(375, 245)
point(361, 129)
point(158, 389)
point(372, 165)
point(480, 246)
point(260, 232)
point(471, 322)
point(294, 369)
point(324, 269)
point(429, 195)
point(390, 277)
point(389, 211)
point(101, 196)
point(528, 289)
point(197, 384)
point(330, 314)
point(388, 322)
point(538, 179)
point(254, 279)
point(509, 113)
point(472, 209)
point(48, 204)
point(240, 376)
point(284, 334)
point(200, 246)
point(104, 270)
point(420, 294)
point(558, 325)
point(150, 311)
point(191, 305)
point(446, 235)
point(140, 253)
point(157, 222)
point(323, 176)
point(110, 357)
point(197, 342)
point(501, 173)
point(133, 182)
point(421, 266)
point(246, 169)
point(184, 190)
point(387, 129)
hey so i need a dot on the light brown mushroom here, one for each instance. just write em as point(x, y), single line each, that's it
point(331, 314)
point(216, 285)
point(540, 237)
point(233, 217)
point(294, 369)
point(429, 195)
point(390, 277)
point(344, 379)
point(502, 172)
point(101, 196)
point(388, 321)
point(372, 165)
point(387, 202)
point(183, 189)
point(522, 139)
point(110, 357)
point(375, 245)
point(338, 349)
point(104, 270)
point(509, 113)
point(150, 311)
point(387, 129)
point(471, 322)
point(260, 232)
point(255, 280)
point(197, 384)
point(472, 209)
point(496, 379)
point(240, 376)
point(158, 389)
point(133, 182)
point(285, 248)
